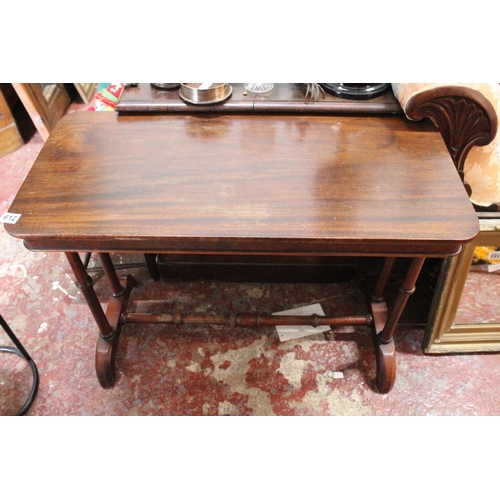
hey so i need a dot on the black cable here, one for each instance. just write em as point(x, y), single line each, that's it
point(21, 351)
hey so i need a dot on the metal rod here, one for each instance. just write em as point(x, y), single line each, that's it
point(19, 350)
point(14, 339)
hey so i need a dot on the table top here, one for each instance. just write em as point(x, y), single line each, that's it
point(284, 98)
point(244, 184)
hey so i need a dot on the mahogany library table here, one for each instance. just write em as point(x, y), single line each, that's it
point(220, 184)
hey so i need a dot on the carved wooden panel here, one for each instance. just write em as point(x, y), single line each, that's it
point(464, 117)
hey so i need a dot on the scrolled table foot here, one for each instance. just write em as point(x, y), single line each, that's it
point(107, 346)
point(105, 361)
point(386, 364)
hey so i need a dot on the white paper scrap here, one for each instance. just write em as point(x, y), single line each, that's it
point(290, 332)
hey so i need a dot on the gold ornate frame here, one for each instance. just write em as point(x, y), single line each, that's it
point(442, 335)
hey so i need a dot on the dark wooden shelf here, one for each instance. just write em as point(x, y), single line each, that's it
point(285, 98)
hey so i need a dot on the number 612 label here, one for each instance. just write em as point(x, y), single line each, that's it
point(8, 218)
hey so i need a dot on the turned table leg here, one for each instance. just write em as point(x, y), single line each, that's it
point(109, 323)
point(385, 322)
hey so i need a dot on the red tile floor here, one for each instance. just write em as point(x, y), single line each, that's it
point(213, 370)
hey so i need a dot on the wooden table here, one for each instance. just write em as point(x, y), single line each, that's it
point(244, 185)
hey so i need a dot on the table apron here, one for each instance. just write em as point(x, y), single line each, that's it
point(434, 250)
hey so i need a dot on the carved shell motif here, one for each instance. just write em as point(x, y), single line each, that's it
point(462, 124)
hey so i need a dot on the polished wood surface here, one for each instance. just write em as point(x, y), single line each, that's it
point(244, 184)
point(284, 98)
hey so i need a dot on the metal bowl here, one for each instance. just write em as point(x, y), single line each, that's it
point(166, 86)
point(205, 93)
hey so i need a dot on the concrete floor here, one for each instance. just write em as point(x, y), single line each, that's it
point(212, 370)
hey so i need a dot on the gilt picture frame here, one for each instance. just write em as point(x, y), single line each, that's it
point(443, 333)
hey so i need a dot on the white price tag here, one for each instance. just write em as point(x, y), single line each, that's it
point(8, 218)
point(494, 255)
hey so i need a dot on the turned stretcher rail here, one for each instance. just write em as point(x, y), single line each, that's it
point(247, 319)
